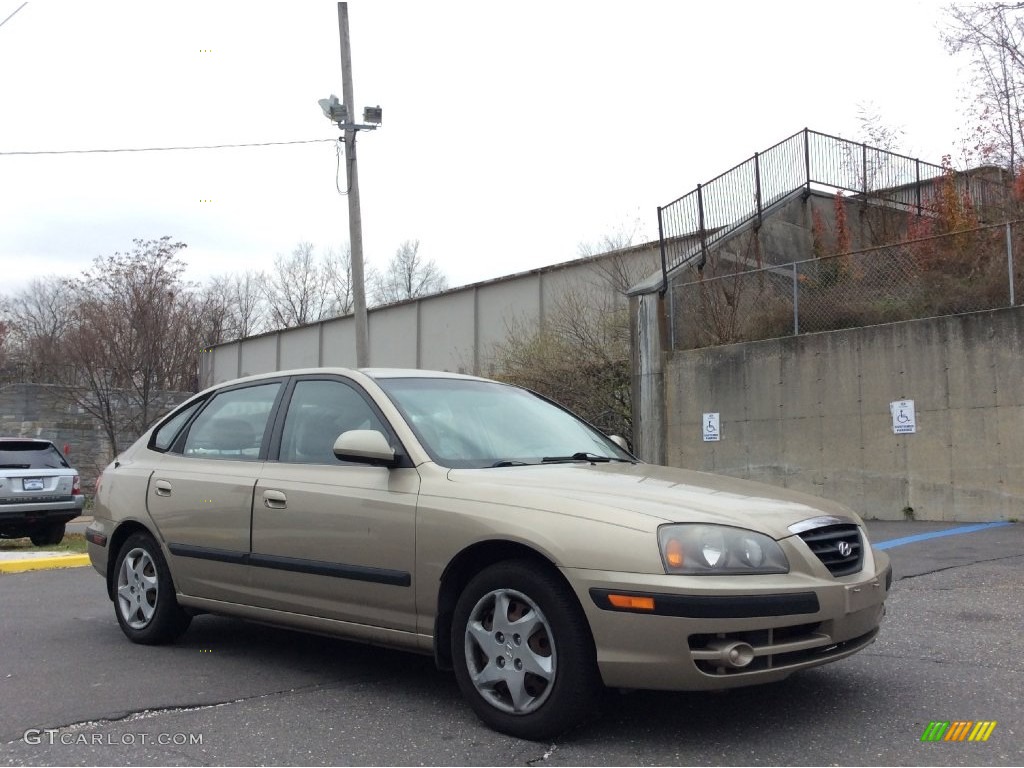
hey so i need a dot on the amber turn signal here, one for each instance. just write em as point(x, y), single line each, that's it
point(635, 602)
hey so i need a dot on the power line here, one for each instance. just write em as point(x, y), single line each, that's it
point(15, 11)
point(161, 149)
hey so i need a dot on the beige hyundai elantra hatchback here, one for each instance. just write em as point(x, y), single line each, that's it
point(485, 525)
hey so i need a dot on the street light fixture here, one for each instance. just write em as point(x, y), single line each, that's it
point(334, 110)
point(337, 113)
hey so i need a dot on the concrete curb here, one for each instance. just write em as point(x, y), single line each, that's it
point(43, 563)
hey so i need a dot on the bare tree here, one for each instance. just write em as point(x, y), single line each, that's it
point(5, 332)
point(875, 131)
point(39, 317)
point(240, 300)
point(578, 355)
point(338, 276)
point(134, 335)
point(991, 36)
point(408, 276)
point(295, 288)
point(617, 240)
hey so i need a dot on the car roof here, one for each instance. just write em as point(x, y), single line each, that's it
point(373, 373)
point(414, 373)
point(26, 440)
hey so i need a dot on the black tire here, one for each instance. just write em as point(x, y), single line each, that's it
point(144, 599)
point(48, 535)
point(567, 687)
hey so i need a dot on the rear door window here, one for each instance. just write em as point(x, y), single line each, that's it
point(233, 424)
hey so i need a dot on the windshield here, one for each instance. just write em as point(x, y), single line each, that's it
point(467, 423)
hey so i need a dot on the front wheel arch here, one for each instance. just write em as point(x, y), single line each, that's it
point(458, 573)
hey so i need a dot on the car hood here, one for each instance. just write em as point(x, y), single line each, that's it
point(645, 495)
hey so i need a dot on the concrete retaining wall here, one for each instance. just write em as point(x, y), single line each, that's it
point(452, 331)
point(812, 413)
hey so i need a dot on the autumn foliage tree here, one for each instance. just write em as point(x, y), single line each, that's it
point(950, 211)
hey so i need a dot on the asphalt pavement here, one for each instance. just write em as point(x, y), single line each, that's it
point(76, 692)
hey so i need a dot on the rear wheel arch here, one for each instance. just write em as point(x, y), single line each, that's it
point(460, 571)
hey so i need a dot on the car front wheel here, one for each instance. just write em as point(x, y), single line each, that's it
point(522, 651)
point(144, 600)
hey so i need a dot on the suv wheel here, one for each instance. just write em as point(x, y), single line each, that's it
point(48, 535)
point(144, 600)
point(522, 652)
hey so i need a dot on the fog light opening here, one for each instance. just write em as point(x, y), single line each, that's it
point(734, 654)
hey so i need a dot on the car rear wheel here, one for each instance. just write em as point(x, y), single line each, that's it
point(522, 652)
point(144, 600)
point(48, 535)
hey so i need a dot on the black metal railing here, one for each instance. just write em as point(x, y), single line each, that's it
point(691, 224)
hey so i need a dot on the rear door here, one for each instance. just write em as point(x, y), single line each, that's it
point(200, 495)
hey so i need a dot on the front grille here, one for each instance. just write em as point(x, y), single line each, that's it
point(825, 543)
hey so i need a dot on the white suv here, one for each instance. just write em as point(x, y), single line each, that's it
point(39, 491)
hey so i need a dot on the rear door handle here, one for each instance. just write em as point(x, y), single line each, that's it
point(275, 500)
point(163, 488)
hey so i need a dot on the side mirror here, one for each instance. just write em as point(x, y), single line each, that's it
point(620, 441)
point(367, 446)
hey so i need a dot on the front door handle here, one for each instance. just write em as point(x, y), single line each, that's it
point(275, 500)
point(162, 488)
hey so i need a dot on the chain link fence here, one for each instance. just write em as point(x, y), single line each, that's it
point(967, 271)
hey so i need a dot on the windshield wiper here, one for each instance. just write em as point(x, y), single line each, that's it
point(510, 463)
point(579, 456)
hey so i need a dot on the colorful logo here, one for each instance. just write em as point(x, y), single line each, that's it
point(958, 730)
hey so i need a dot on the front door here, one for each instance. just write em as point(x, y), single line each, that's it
point(332, 538)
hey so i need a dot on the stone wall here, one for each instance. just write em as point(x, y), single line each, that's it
point(42, 410)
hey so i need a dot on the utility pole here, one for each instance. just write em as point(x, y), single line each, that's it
point(355, 221)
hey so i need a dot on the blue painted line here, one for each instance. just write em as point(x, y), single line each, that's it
point(936, 534)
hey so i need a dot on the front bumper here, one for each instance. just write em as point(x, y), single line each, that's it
point(773, 624)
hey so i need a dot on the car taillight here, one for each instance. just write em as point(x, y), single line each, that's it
point(76, 486)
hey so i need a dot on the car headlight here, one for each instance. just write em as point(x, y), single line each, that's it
point(707, 550)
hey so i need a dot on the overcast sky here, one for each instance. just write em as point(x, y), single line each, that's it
point(511, 133)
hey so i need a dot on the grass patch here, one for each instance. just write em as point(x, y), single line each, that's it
point(73, 542)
